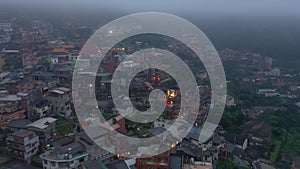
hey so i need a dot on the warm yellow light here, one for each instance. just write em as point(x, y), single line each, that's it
point(91, 85)
point(172, 93)
point(173, 145)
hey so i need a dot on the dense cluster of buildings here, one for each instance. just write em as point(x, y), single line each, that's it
point(39, 126)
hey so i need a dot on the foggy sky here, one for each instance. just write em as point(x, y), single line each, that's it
point(212, 7)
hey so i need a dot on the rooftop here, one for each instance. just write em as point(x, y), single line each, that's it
point(60, 90)
point(199, 165)
point(94, 164)
point(22, 123)
point(58, 153)
point(4, 74)
point(258, 129)
point(42, 123)
point(118, 165)
point(175, 162)
point(44, 74)
point(22, 133)
point(59, 50)
point(10, 98)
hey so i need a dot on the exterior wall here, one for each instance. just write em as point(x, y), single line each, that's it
point(33, 93)
point(121, 123)
point(4, 38)
point(159, 161)
point(12, 114)
point(42, 112)
point(60, 104)
point(49, 163)
point(6, 27)
point(23, 148)
point(46, 134)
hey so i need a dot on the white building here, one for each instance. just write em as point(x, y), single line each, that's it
point(42, 109)
point(65, 154)
point(6, 27)
point(268, 92)
point(4, 38)
point(44, 128)
point(23, 144)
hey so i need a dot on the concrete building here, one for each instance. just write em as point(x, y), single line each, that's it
point(4, 38)
point(5, 97)
point(159, 161)
point(65, 153)
point(60, 101)
point(198, 165)
point(23, 144)
point(13, 59)
point(95, 152)
point(31, 92)
point(6, 27)
point(10, 112)
point(42, 109)
point(268, 92)
point(44, 128)
point(16, 125)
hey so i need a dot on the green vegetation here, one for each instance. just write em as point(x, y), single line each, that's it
point(292, 142)
point(228, 164)
point(285, 129)
point(64, 127)
point(232, 120)
point(137, 128)
point(246, 95)
point(36, 161)
point(275, 152)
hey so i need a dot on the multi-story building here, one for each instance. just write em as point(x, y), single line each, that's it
point(198, 165)
point(6, 27)
point(16, 125)
point(4, 38)
point(10, 112)
point(60, 101)
point(23, 144)
point(65, 153)
point(158, 161)
point(94, 150)
point(26, 92)
point(13, 59)
point(30, 58)
point(42, 109)
point(31, 93)
point(44, 128)
point(6, 98)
